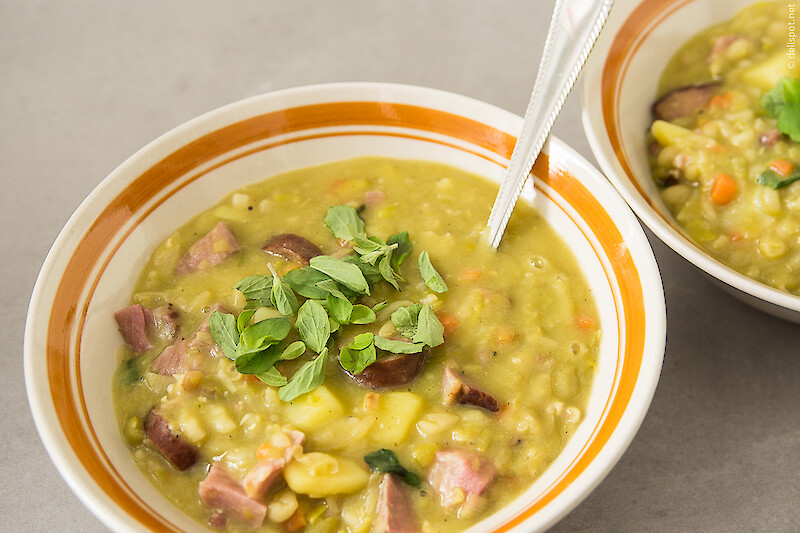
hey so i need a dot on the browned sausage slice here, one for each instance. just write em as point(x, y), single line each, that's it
point(457, 391)
point(392, 371)
point(292, 247)
point(684, 101)
point(181, 454)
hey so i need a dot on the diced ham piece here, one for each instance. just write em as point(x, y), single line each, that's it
point(455, 390)
point(176, 359)
point(216, 246)
point(721, 45)
point(163, 321)
point(221, 493)
point(132, 323)
point(460, 476)
point(218, 520)
point(684, 101)
point(395, 513)
point(181, 454)
point(373, 198)
point(292, 247)
point(771, 137)
point(261, 478)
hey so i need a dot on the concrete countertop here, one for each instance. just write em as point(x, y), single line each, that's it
point(87, 83)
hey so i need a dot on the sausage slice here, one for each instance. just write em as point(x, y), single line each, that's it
point(684, 101)
point(292, 247)
point(457, 391)
point(181, 454)
point(393, 371)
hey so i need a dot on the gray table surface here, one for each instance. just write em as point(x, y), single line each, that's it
point(85, 84)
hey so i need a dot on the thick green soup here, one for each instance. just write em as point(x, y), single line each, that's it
point(725, 150)
point(338, 349)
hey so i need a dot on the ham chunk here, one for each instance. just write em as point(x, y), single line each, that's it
point(455, 390)
point(261, 478)
point(163, 321)
point(217, 245)
point(292, 247)
point(460, 476)
point(185, 353)
point(181, 454)
point(219, 492)
point(132, 323)
point(373, 198)
point(395, 513)
point(684, 102)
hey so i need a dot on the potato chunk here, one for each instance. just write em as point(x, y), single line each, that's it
point(397, 413)
point(314, 410)
point(321, 474)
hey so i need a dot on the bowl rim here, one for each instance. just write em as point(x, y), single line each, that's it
point(600, 121)
point(635, 410)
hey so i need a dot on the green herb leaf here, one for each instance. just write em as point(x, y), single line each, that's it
point(344, 222)
point(293, 351)
point(313, 325)
point(405, 320)
point(224, 332)
point(258, 362)
point(362, 314)
point(304, 282)
point(283, 298)
point(429, 274)
point(273, 377)
point(772, 179)
point(370, 272)
point(339, 308)
point(429, 330)
point(244, 319)
point(345, 273)
point(256, 288)
point(265, 332)
point(385, 268)
point(307, 378)
point(393, 346)
point(385, 462)
point(783, 102)
point(359, 354)
point(380, 306)
point(402, 251)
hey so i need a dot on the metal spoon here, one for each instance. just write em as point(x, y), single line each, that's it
point(574, 28)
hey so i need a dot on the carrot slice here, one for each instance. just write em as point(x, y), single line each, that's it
point(720, 101)
point(450, 322)
point(585, 322)
point(296, 522)
point(784, 167)
point(472, 274)
point(723, 189)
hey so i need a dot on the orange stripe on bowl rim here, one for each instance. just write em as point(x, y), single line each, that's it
point(65, 316)
point(629, 38)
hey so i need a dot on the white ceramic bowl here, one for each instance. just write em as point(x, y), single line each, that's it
point(71, 334)
point(617, 89)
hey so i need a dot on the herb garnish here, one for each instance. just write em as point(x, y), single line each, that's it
point(331, 287)
point(429, 274)
point(783, 103)
point(385, 462)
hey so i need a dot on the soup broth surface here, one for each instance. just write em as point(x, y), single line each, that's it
point(520, 325)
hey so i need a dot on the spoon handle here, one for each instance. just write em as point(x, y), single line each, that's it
point(573, 30)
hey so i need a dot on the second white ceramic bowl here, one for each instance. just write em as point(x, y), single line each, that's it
point(617, 89)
